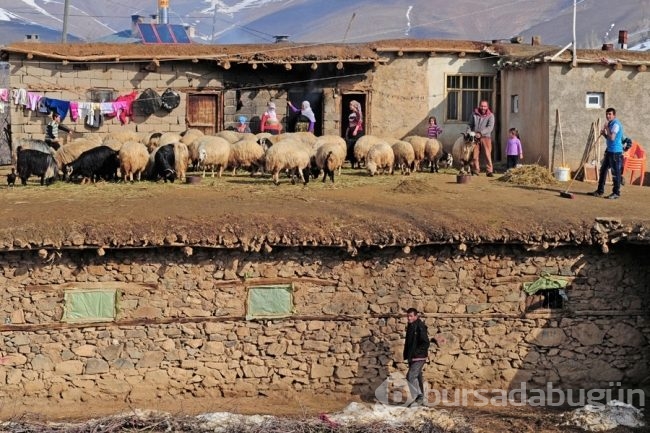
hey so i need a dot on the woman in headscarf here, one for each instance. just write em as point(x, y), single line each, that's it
point(307, 119)
point(354, 130)
point(270, 122)
point(242, 126)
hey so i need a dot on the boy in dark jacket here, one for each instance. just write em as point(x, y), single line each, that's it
point(416, 350)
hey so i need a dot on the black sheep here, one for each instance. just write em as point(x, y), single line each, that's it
point(97, 163)
point(33, 162)
point(164, 163)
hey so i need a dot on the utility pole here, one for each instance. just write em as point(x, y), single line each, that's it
point(66, 9)
point(574, 62)
point(214, 22)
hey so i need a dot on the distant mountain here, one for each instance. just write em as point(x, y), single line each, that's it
point(257, 21)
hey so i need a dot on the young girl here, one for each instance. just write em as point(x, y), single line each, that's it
point(513, 148)
point(433, 131)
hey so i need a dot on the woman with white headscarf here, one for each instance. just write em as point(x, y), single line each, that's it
point(270, 122)
point(307, 119)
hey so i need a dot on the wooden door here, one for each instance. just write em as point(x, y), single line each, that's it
point(203, 112)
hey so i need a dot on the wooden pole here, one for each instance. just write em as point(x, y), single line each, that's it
point(559, 125)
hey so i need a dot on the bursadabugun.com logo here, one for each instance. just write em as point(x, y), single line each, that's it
point(396, 390)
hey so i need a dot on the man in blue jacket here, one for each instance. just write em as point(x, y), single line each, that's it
point(613, 159)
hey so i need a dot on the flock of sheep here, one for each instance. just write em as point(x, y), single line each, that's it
point(169, 155)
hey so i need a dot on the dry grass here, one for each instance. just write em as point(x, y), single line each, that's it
point(529, 175)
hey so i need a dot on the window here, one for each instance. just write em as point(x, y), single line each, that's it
point(550, 299)
point(89, 305)
point(464, 93)
point(514, 104)
point(595, 100)
point(269, 302)
point(101, 95)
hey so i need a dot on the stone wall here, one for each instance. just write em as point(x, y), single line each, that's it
point(181, 328)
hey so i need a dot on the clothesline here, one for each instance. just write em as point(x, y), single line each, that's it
point(92, 113)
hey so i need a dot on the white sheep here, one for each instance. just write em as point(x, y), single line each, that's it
point(287, 155)
point(432, 149)
point(181, 159)
point(152, 141)
point(213, 152)
point(336, 140)
point(362, 146)
point(419, 144)
point(133, 157)
point(67, 153)
point(169, 138)
point(463, 151)
point(230, 136)
point(403, 156)
point(190, 135)
point(113, 143)
point(380, 156)
point(122, 137)
point(329, 157)
point(246, 153)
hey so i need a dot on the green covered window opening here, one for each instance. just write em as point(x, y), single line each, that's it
point(269, 302)
point(89, 305)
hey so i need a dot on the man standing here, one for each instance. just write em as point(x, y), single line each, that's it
point(613, 159)
point(482, 123)
point(416, 350)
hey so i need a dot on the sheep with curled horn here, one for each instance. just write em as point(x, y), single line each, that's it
point(463, 151)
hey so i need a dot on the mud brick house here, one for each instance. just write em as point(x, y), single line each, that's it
point(535, 88)
point(400, 83)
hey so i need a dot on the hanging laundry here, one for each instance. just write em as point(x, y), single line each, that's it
point(4, 95)
point(84, 108)
point(43, 105)
point(60, 106)
point(32, 100)
point(74, 110)
point(107, 109)
point(123, 106)
point(20, 96)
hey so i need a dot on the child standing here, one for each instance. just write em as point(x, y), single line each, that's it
point(433, 130)
point(513, 148)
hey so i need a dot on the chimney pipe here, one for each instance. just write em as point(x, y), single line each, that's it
point(536, 40)
point(163, 7)
point(608, 47)
point(154, 18)
point(622, 39)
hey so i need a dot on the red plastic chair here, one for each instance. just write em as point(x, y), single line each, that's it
point(635, 160)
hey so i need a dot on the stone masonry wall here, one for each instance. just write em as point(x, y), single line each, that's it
point(181, 329)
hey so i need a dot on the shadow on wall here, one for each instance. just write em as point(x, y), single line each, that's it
point(374, 357)
point(595, 347)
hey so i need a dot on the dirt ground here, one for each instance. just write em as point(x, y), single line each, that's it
point(379, 210)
